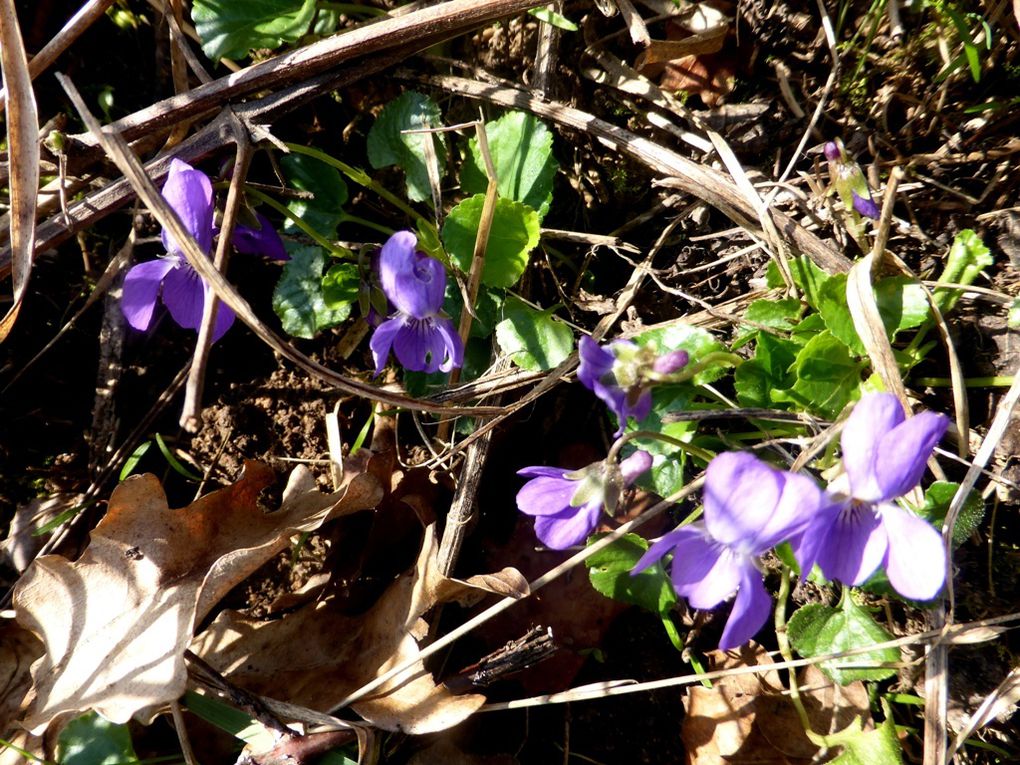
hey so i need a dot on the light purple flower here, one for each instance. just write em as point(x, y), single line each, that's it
point(848, 178)
point(171, 278)
point(620, 375)
point(750, 507)
point(567, 504)
point(421, 336)
point(860, 527)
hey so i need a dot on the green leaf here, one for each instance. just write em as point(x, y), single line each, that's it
point(609, 571)
point(828, 377)
point(513, 236)
point(229, 29)
point(698, 343)
point(556, 19)
point(967, 257)
point(817, 629)
point(93, 740)
point(298, 297)
point(388, 145)
point(902, 303)
point(533, 340)
point(341, 286)
point(1013, 315)
point(781, 314)
point(808, 277)
point(488, 309)
point(230, 720)
point(937, 498)
point(521, 150)
point(835, 311)
point(869, 747)
point(768, 371)
point(324, 211)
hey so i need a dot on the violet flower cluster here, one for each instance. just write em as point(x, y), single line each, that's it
point(171, 278)
point(849, 530)
point(621, 375)
point(419, 333)
point(849, 180)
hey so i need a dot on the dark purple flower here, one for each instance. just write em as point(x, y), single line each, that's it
point(421, 336)
point(189, 192)
point(750, 507)
point(860, 527)
point(848, 178)
point(620, 375)
point(567, 504)
point(259, 241)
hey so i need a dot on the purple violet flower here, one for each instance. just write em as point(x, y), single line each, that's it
point(848, 178)
point(861, 527)
point(567, 504)
point(189, 192)
point(421, 336)
point(620, 375)
point(750, 508)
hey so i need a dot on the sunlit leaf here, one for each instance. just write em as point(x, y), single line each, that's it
point(298, 298)
point(230, 29)
point(513, 236)
point(389, 145)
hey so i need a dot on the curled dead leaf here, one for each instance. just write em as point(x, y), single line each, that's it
point(748, 717)
point(318, 655)
point(115, 623)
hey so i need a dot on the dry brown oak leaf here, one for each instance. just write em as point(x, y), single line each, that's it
point(746, 718)
point(115, 623)
point(318, 655)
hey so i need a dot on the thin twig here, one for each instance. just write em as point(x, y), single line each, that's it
point(196, 378)
point(533, 587)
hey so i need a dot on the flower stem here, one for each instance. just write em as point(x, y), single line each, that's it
point(363, 179)
point(716, 357)
point(697, 451)
point(319, 239)
point(784, 648)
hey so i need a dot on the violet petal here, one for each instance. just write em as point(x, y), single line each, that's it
point(259, 241)
point(903, 453)
point(414, 283)
point(534, 471)
point(874, 415)
point(741, 493)
point(418, 346)
point(751, 610)
point(224, 320)
point(662, 547)
point(184, 296)
point(916, 559)
point(704, 573)
point(141, 290)
point(571, 527)
point(189, 192)
point(853, 546)
point(451, 340)
point(798, 506)
point(382, 341)
point(545, 495)
point(636, 464)
point(595, 362)
point(865, 205)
